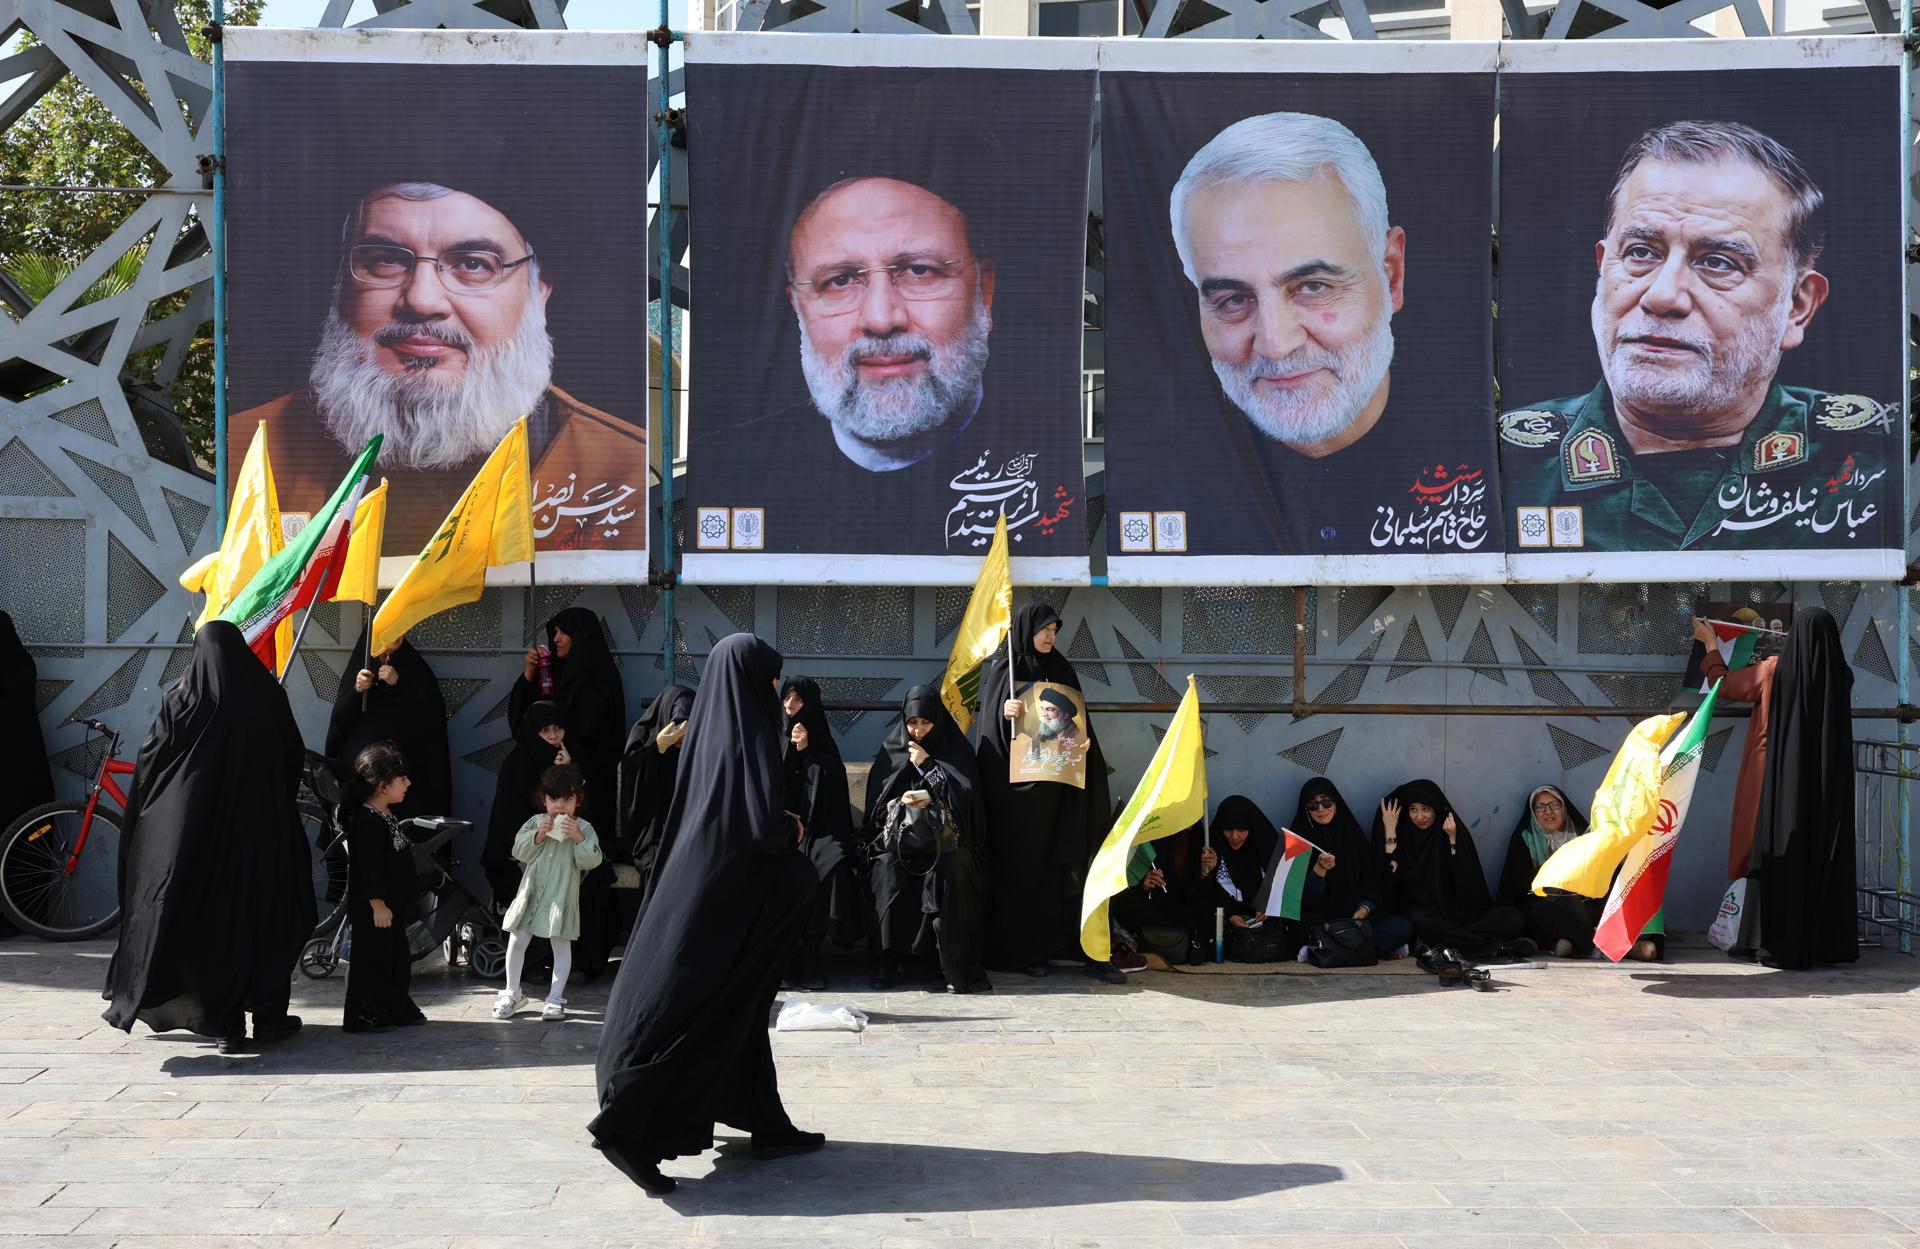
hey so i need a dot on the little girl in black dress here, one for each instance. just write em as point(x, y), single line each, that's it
point(380, 898)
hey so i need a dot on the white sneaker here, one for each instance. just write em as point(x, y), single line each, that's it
point(506, 1004)
point(554, 1011)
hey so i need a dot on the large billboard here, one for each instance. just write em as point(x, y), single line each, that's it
point(431, 234)
point(1701, 340)
point(889, 260)
point(1299, 340)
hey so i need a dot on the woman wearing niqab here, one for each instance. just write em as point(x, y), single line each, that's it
point(1801, 901)
point(29, 778)
point(647, 768)
point(816, 780)
point(1436, 877)
point(216, 882)
point(943, 910)
point(410, 712)
point(593, 706)
point(685, 1042)
point(1041, 835)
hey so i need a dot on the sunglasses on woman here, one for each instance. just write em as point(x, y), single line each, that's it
point(1320, 804)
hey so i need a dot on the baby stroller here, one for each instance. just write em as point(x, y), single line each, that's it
point(453, 912)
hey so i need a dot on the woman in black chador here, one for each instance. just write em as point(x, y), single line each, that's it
point(1430, 871)
point(647, 769)
point(943, 908)
point(396, 700)
point(216, 879)
point(29, 779)
point(817, 793)
point(539, 742)
point(685, 1041)
point(593, 706)
point(1040, 834)
point(1803, 855)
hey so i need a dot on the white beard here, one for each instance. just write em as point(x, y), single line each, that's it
point(1305, 418)
point(427, 422)
point(902, 407)
point(1705, 383)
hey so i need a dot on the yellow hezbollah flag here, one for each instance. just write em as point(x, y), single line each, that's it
point(1624, 809)
point(982, 630)
point(252, 538)
point(492, 524)
point(360, 573)
point(1172, 795)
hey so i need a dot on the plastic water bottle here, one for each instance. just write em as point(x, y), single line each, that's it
point(1219, 934)
point(546, 672)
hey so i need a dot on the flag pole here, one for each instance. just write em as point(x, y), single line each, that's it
point(318, 594)
point(366, 626)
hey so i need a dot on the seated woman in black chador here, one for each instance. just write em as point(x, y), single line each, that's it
point(1342, 884)
point(1158, 901)
point(1233, 865)
point(1429, 856)
point(937, 904)
point(817, 793)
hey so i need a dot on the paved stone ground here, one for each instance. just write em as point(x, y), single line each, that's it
point(1581, 1106)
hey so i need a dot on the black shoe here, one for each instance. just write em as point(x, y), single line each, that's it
point(366, 1024)
point(234, 1043)
point(274, 1029)
point(1519, 950)
point(414, 1020)
point(791, 1141)
point(654, 1180)
point(1106, 973)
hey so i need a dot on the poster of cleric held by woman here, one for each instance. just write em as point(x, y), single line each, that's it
point(1298, 342)
point(1704, 379)
point(428, 240)
point(890, 261)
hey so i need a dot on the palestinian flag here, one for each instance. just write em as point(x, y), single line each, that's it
point(1736, 650)
point(1287, 876)
point(295, 577)
point(1640, 888)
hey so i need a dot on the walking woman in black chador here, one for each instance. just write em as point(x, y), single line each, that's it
point(593, 706)
point(939, 904)
point(1040, 834)
point(685, 1041)
point(817, 793)
point(216, 878)
point(397, 700)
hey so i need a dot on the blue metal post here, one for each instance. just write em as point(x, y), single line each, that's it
point(217, 237)
point(1903, 610)
point(667, 561)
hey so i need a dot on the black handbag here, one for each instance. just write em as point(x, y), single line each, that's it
point(921, 835)
point(1171, 944)
point(1342, 943)
point(1265, 944)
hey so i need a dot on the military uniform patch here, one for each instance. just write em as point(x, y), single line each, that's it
point(1592, 456)
point(1845, 413)
point(1778, 450)
point(1532, 427)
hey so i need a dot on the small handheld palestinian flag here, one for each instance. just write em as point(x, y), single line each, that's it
point(1736, 649)
point(1287, 876)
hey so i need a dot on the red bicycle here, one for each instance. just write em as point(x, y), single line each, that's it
point(60, 862)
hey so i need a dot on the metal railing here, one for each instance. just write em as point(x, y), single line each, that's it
point(1884, 774)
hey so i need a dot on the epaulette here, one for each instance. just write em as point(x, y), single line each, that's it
point(1846, 413)
point(1532, 428)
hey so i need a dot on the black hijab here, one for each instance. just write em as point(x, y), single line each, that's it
point(816, 777)
point(1247, 866)
point(1803, 834)
point(646, 774)
point(216, 889)
point(29, 779)
point(1029, 665)
point(515, 799)
point(894, 773)
point(411, 714)
point(684, 1042)
point(1351, 881)
point(593, 705)
point(1451, 884)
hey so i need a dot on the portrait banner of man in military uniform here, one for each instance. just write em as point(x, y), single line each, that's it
point(888, 262)
point(1297, 337)
point(429, 236)
point(1700, 311)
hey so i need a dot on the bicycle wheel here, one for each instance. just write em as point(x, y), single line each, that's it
point(37, 892)
point(329, 869)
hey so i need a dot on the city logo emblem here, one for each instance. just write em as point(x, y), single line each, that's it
point(1592, 457)
point(1778, 451)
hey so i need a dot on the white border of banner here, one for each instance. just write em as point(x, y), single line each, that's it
point(714, 568)
point(1632, 56)
point(439, 47)
point(1542, 568)
point(889, 51)
point(1298, 56)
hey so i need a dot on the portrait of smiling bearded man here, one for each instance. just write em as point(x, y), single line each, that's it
point(436, 339)
point(1707, 275)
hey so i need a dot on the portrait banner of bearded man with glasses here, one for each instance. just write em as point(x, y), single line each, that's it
point(436, 338)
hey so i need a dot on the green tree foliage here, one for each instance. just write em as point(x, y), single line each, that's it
point(70, 138)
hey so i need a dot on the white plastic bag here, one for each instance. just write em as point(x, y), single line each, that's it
point(798, 1016)
point(1725, 933)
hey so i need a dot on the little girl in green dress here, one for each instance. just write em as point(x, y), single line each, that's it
point(555, 850)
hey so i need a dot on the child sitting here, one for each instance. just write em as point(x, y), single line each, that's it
point(555, 850)
point(380, 897)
